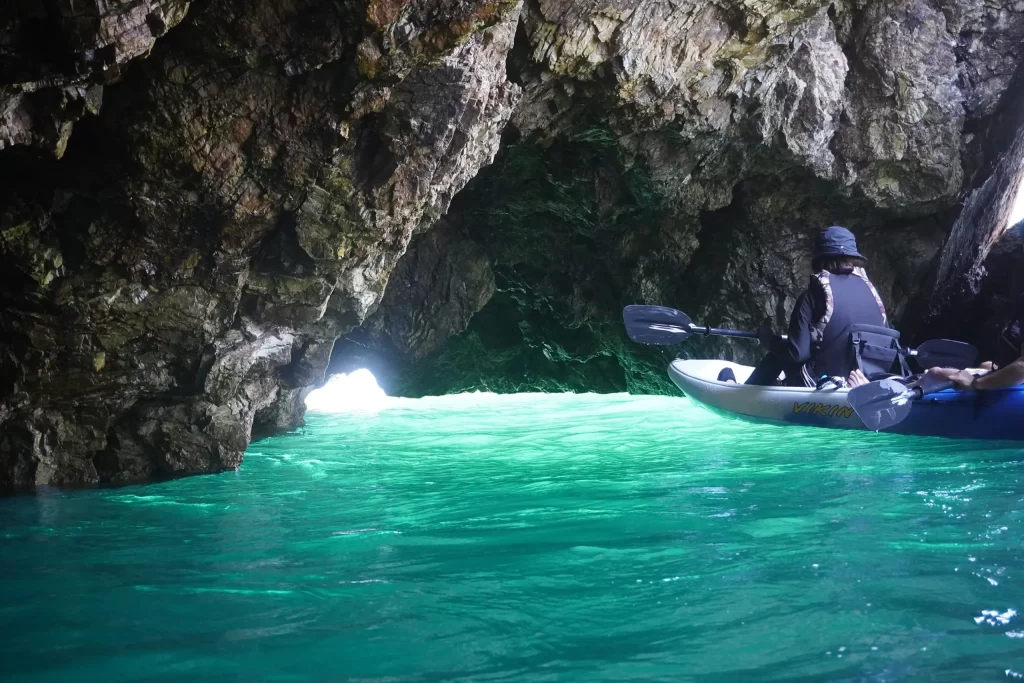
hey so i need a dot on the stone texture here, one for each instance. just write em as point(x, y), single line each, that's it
point(251, 174)
point(441, 282)
point(741, 128)
point(55, 58)
point(179, 278)
point(871, 97)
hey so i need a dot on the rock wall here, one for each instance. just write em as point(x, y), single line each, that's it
point(200, 198)
point(180, 276)
point(684, 154)
point(56, 57)
point(979, 227)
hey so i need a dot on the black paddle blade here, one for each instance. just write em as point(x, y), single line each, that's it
point(656, 325)
point(946, 353)
point(883, 404)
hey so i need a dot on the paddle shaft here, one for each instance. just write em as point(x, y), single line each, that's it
point(919, 392)
point(708, 331)
point(662, 326)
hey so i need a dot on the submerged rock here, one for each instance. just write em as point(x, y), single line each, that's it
point(250, 175)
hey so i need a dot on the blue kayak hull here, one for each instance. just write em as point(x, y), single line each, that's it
point(950, 414)
point(968, 415)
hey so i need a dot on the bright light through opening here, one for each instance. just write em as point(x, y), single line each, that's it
point(1017, 215)
point(357, 392)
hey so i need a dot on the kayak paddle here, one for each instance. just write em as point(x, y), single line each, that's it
point(667, 326)
point(944, 353)
point(886, 403)
point(663, 326)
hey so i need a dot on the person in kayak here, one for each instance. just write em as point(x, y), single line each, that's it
point(840, 295)
point(1010, 375)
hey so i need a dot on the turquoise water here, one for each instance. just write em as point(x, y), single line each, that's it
point(531, 538)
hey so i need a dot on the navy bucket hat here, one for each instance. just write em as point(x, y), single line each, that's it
point(836, 241)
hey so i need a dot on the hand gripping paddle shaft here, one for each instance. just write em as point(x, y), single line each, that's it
point(884, 404)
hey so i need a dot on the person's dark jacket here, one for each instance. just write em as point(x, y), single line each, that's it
point(854, 304)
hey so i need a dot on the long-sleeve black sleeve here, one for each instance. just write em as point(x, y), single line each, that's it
point(797, 348)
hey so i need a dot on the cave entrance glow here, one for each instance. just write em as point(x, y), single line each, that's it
point(1017, 213)
point(356, 392)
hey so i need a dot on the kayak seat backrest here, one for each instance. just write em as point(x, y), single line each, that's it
point(876, 351)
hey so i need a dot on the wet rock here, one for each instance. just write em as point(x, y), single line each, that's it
point(995, 305)
point(184, 271)
point(239, 182)
point(745, 128)
point(55, 58)
point(441, 282)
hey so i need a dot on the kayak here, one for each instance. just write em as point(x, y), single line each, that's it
point(950, 414)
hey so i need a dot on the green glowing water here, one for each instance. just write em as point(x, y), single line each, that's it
point(531, 538)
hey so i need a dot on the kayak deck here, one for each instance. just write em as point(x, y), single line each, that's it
point(950, 414)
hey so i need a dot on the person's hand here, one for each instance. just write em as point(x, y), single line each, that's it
point(857, 379)
point(961, 379)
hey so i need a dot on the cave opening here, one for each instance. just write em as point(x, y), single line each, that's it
point(520, 287)
point(356, 391)
point(1017, 212)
